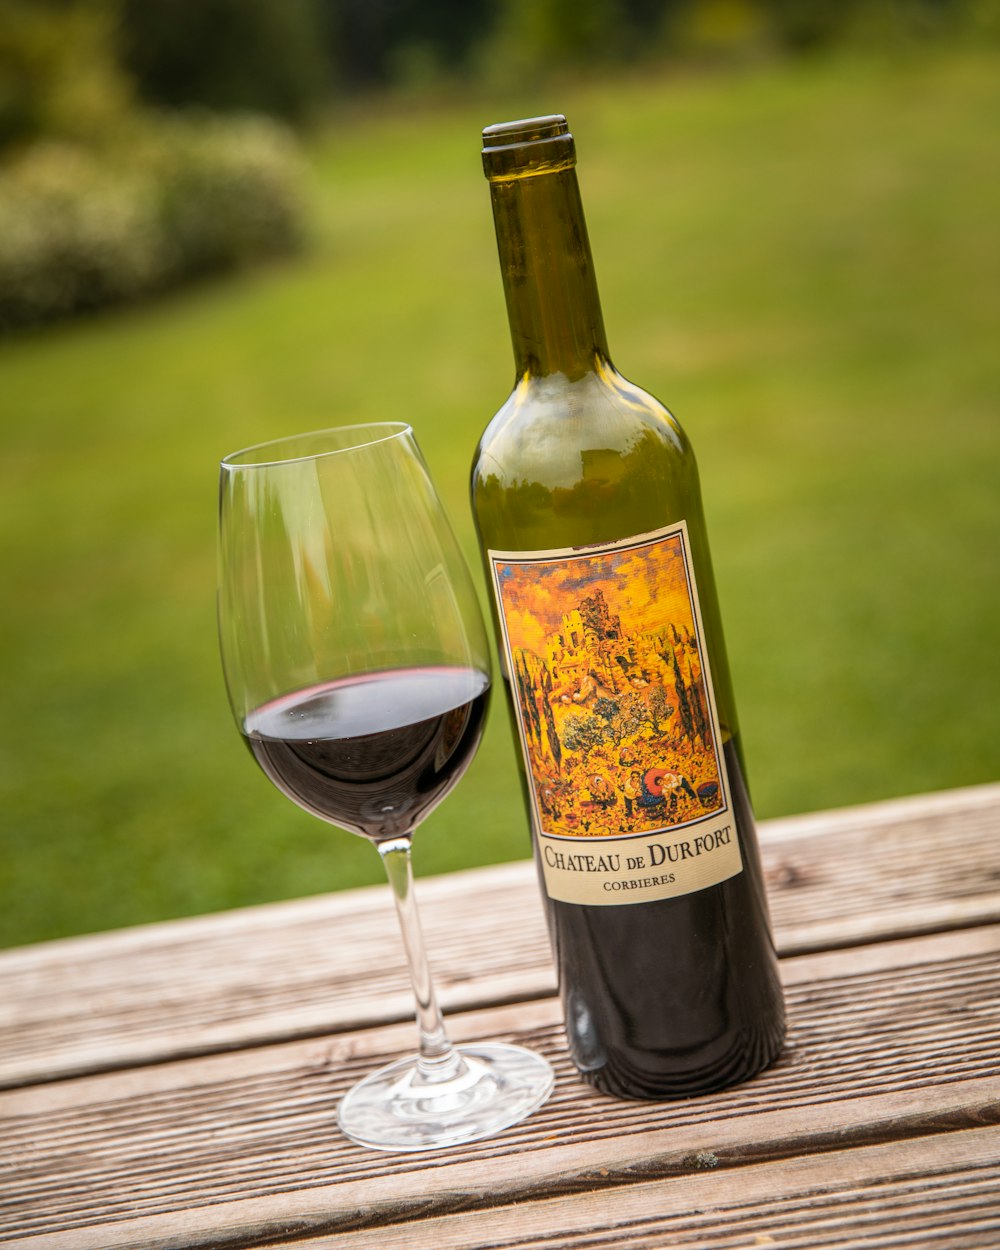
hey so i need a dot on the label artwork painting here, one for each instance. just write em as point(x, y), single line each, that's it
point(617, 719)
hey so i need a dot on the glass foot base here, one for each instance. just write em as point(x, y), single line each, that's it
point(472, 1093)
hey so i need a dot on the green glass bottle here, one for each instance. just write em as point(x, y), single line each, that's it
point(587, 504)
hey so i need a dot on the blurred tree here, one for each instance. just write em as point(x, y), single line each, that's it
point(535, 35)
point(59, 75)
point(231, 55)
point(373, 42)
point(800, 27)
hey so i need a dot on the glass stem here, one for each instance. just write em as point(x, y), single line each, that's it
point(438, 1059)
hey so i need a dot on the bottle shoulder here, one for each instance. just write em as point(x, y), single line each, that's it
point(554, 425)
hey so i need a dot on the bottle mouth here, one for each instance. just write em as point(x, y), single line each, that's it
point(532, 145)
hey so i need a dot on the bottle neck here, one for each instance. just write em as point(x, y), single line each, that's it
point(548, 274)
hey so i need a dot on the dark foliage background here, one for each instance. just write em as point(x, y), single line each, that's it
point(287, 58)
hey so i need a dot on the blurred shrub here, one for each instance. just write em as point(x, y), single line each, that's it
point(230, 190)
point(82, 227)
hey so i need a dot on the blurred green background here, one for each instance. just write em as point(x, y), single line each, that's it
point(794, 214)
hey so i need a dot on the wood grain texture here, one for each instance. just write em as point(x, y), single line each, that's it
point(890, 1044)
point(921, 864)
point(932, 1193)
point(330, 964)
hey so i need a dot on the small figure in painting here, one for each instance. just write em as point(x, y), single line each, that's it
point(631, 792)
point(601, 793)
point(661, 791)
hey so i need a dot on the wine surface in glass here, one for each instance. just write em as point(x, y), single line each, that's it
point(374, 752)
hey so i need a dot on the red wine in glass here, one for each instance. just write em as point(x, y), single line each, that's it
point(375, 753)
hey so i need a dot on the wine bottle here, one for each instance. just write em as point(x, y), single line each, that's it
point(587, 504)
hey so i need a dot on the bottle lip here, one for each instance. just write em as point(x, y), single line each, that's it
point(530, 145)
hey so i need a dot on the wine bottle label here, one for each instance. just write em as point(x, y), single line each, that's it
point(604, 650)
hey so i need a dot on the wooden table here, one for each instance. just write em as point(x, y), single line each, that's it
point(175, 1085)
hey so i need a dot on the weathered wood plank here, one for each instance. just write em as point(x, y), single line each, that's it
point(320, 965)
point(888, 1043)
point(264, 974)
point(930, 1193)
point(921, 864)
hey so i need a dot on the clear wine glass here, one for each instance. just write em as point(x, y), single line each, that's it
point(358, 671)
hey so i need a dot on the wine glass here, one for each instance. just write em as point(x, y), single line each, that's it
point(358, 671)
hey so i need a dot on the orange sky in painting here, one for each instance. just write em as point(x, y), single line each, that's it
point(646, 586)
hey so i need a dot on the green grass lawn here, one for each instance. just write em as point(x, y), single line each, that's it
point(802, 261)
